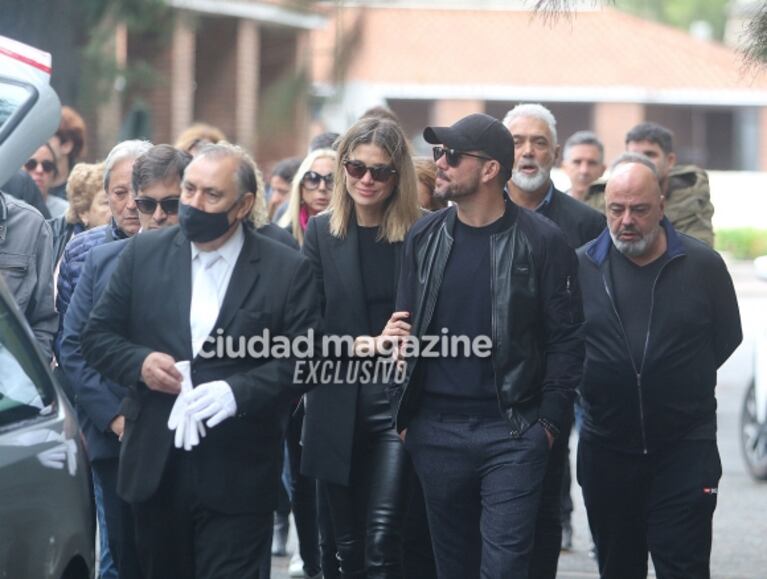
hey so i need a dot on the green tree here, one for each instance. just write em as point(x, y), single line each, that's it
point(680, 13)
point(754, 52)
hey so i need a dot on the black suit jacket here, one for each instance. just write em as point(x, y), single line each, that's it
point(146, 309)
point(331, 408)
point(579, 222)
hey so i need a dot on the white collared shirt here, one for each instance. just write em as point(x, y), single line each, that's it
point(221, 271)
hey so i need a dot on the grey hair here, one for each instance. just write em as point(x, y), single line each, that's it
point(535, 110)
point(125, 150)
point(245, 176)
point(584, 138)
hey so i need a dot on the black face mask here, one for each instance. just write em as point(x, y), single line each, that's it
point(201, 226)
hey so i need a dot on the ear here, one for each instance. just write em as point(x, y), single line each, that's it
point(671, 158)
point(66, 147)
point(245, 209)
point(490, 171)
point(557, 152)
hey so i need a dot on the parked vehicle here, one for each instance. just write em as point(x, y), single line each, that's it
point(47, 520)
point(753, 415)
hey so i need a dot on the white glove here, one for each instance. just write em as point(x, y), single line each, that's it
point(213, 401)
point(188, 430)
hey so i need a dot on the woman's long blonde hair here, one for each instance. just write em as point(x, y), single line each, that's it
point(401, 209)
point(292, 215)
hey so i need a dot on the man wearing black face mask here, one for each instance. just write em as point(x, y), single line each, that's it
point(203, 508)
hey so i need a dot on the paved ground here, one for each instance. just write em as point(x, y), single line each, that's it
point(740, 522)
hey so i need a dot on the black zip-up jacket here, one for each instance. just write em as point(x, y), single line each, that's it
point(537, 351)
point(694, 327)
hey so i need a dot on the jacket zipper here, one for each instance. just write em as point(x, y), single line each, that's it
point(428, 318)
point(494, 323)
point(638, 371)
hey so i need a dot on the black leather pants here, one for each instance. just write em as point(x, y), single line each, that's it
point(368, 514)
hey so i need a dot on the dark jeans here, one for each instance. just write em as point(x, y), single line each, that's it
point(416, 538)
point(662, 503)
point(119, 520)
point(177, 536)
point(303, 497)
point(548, 527)
point(482, 488)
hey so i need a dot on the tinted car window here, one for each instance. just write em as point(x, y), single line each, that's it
point(25, 389)
point(13, 97)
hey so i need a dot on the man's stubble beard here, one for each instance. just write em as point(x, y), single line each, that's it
point(453, 192)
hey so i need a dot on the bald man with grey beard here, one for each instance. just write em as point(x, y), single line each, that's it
point(661, 318)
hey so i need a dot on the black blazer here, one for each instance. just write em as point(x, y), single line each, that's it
point(146, 309)
point(579, 222)
point(331, 408)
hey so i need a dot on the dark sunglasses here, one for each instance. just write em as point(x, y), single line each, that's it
point(147, 205)
point(48, 166)
point(312, 180)
point(453, 157)
point(380, 173)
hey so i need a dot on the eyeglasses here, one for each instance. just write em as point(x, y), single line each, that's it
point(380, 173)
point(312, 180)
point(48, 166)
point(453, 157)
point(147, 205)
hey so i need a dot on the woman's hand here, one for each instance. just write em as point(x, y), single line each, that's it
point(389, 340)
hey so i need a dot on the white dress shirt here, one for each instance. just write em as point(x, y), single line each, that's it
point(208, 294)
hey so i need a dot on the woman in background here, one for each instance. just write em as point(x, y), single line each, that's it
point(88, 206)
point(309, 192)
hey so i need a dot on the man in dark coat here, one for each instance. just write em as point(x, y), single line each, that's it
point(205, 510)
point(661, 318)
point(534, 130)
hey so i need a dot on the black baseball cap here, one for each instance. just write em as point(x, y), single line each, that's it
point(477, 132)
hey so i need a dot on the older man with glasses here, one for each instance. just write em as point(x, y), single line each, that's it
point(156, 184)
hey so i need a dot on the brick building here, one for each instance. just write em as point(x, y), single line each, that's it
point(241, 65)
point(599, 69)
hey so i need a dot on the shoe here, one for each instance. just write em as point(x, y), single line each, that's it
point(296, 566)
point(280, 535)
point(567, 536)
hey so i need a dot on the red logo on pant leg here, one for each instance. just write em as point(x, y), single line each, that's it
point(710, 491)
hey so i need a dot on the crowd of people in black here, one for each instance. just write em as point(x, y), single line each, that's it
point(603, 307)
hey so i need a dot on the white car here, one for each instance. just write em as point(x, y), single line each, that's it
point(47, 520)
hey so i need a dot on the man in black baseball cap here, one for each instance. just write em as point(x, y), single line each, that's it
point(476, 133)
point(488, 272)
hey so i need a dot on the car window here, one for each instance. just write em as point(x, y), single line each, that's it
point(14, 99)
point(25, 388)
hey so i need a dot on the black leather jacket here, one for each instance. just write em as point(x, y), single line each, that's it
point(537, 351)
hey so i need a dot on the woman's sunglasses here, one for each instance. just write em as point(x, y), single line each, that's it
point(380, 173)
point(312, 180)
point(48, 166)
point(453, 157)
point(147, 205)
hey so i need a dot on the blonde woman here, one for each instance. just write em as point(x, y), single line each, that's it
point(349, 442)
point(88, 205)
point(309, 191)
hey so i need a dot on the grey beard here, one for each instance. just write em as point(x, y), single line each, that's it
point(636, 248)
point(530, 184)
